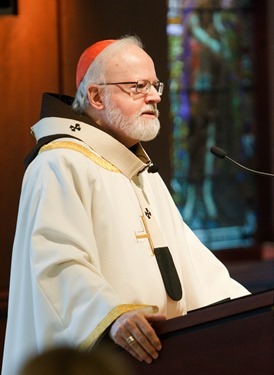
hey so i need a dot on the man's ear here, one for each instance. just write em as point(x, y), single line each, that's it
point(94, 97)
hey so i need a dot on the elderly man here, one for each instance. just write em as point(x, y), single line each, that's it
point(100, 246)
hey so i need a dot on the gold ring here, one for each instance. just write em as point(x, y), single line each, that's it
point(130, 340)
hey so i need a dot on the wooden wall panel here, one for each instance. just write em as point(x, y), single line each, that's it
point(28, 66)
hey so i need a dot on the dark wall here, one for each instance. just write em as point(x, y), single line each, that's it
point(264, 73)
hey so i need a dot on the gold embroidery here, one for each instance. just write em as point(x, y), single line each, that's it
point(145, 234)
point(109, 319)
point(83, 150)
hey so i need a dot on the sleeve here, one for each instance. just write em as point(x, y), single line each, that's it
point(73, 301)
point(208, 280)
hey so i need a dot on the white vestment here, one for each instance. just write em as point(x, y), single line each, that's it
point(82, 253)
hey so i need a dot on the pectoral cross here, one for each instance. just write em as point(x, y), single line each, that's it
point(144, 233)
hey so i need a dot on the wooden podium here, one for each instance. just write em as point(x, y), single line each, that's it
point(232, 338)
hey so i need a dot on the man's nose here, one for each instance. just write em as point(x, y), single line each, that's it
point(152, 96)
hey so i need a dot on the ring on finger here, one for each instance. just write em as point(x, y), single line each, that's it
point(130, 340)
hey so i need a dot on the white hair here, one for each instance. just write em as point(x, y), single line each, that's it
point(96, 72)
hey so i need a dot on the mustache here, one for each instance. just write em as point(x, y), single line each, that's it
point(151, 109)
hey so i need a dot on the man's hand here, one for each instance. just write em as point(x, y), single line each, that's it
point(133, 332)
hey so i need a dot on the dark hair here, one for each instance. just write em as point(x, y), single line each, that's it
point(71, 361)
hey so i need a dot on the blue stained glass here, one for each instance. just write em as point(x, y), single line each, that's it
point(212, 103)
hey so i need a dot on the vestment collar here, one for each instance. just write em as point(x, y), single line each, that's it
point(129, 163)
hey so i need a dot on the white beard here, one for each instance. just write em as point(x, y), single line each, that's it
point(135, 127)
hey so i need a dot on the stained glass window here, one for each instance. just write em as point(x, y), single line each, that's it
point(211, 66)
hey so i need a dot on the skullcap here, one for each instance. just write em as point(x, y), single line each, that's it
point(88, 56)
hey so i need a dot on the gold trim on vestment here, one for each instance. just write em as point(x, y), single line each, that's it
point(83, 150)
point(109, 319)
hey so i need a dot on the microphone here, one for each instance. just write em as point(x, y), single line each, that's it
point(220, 153)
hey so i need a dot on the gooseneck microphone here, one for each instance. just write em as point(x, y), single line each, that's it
point(220, 153)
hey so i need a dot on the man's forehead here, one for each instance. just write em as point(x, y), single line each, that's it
point(133, 62)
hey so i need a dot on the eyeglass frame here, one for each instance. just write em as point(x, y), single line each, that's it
point(159, 88)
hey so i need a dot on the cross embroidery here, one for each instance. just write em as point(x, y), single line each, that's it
point(76, 127)
point(148, 213)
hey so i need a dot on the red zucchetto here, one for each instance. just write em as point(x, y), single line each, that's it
point(88, 56)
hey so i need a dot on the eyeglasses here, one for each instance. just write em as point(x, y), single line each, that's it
point(142, 86)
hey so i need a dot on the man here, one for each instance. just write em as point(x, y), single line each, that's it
point(100, 246)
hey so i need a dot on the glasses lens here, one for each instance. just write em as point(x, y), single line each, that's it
point(142, 86)
point(159, 86)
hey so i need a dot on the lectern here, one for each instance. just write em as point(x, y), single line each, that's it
point(232, 338)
